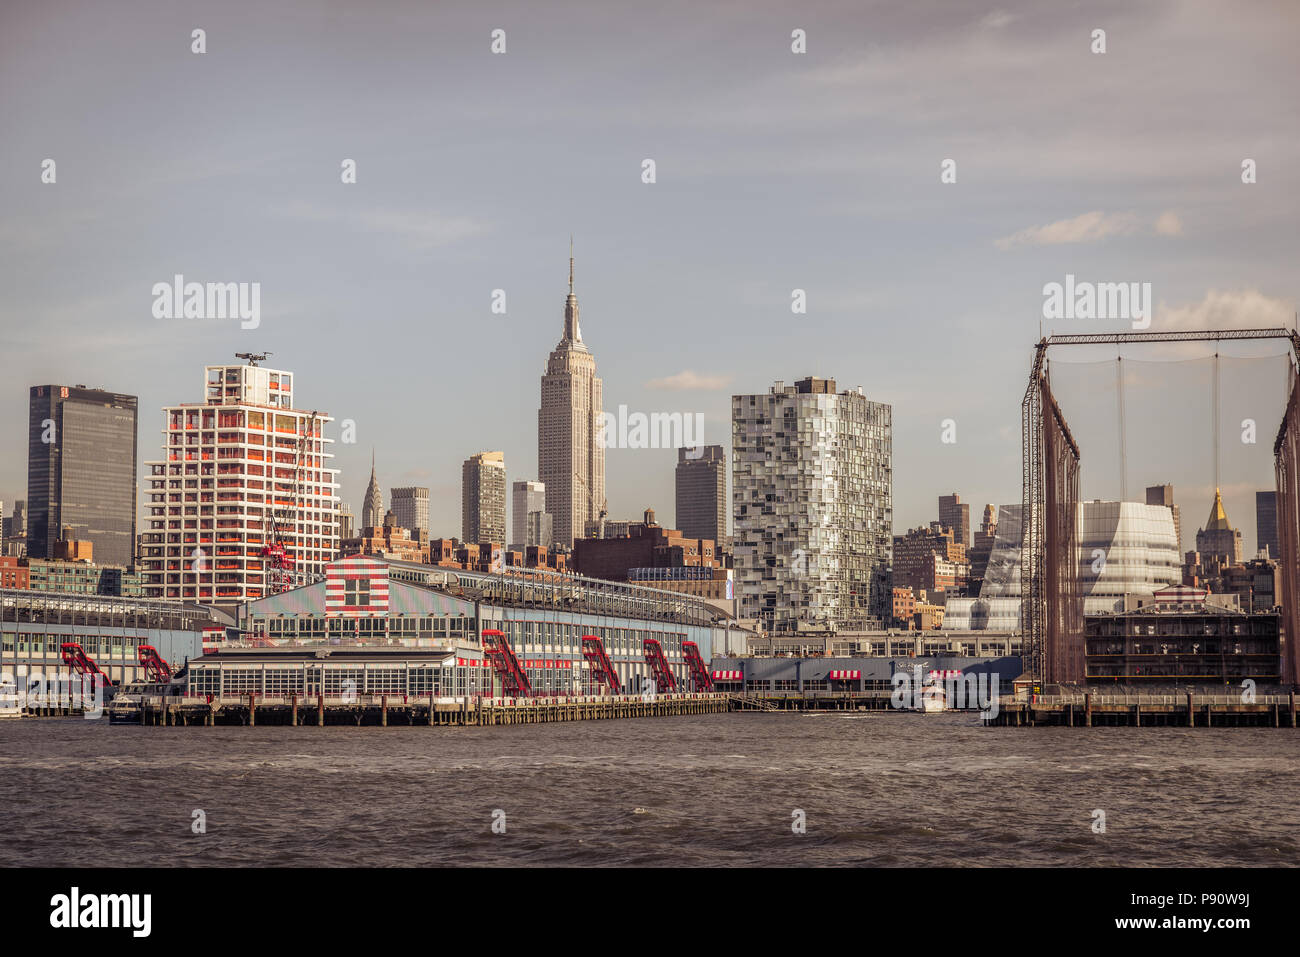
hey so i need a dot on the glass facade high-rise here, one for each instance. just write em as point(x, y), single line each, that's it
point(812, 496)
point(1124, 548)
point(81, 471)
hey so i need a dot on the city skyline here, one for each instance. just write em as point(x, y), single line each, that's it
point(903, 274)
point(936, 377)
point(1239, 498)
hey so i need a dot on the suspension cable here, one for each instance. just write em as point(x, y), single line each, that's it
point(1216, 420)
point(1123, 445)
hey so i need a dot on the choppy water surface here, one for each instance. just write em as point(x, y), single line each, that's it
point(877, 789)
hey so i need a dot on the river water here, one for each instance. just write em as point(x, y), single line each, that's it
point(883, 789)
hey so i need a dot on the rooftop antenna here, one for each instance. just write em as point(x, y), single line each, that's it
point(253, 357)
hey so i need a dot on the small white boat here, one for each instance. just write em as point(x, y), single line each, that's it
point(9, 707)
point(934, 699)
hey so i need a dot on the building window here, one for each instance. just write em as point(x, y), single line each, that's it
point(356, 592)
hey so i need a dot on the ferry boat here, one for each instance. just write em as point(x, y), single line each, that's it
point(124, 706)
point(9, 706)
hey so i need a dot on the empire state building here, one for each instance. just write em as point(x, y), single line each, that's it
point(570, 456)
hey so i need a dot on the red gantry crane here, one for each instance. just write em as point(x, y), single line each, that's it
point(602, 669)
point(75, 657)
point(659, 670)
point(156, 670)
point(280, 573)
point(513, 680)
point(695, 665)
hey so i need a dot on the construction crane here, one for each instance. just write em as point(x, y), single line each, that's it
point(253, 357)
point(280, 575)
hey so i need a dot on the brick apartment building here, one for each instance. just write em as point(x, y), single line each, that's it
point(646, 545)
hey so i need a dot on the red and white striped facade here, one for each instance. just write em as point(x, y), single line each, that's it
point(228, 463)
point(356, 587)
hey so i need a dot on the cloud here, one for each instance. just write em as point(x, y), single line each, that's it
point(1091, 227)
point(1168, 224)
point(690, 380)
point(997, 19)
point(1088, 228)
point(1233, 309)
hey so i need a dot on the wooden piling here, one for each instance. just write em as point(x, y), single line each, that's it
point(293, 718)
point(1191, 712)
point(383, 710)
point(320, 710)
point(252, 709)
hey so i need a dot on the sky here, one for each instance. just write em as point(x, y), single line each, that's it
point(774, 171)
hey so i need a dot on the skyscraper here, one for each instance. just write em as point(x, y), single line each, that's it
point(1164, 495)
point(1219, 539)
point(982, 546)
point(812, 491)
point(527, 497)
point(15, 531)
point(230, 464)
point(540, 530)
point(81, 471)
point(483, 498)
point(570, 455)
point(347, 522)
point(411, 510)
point(372, 507)
point(1266, 523)
point(956, 516)
point(702, 493)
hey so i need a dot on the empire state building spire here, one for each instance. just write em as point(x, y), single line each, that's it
point(572, 331)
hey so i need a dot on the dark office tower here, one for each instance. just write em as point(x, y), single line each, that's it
point(1164, 495)
point(953, 514)
point(81, 460)
point(702, 493)
point(1266, 522)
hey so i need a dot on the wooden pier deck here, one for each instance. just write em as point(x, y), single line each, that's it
point(383, 710)
point(1187, 710)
